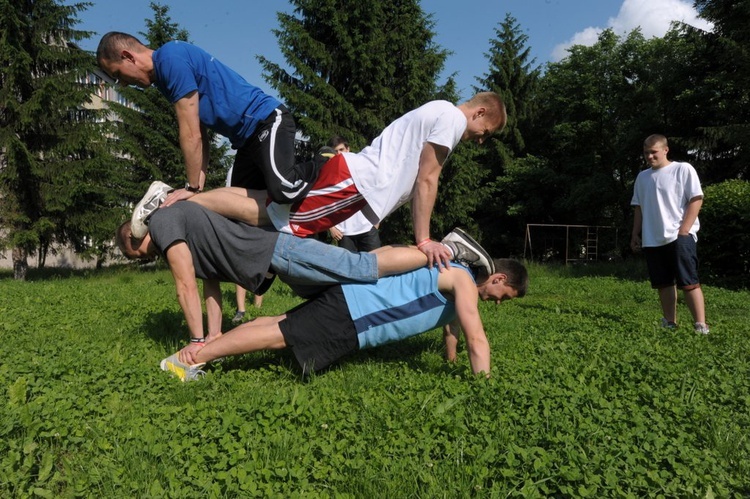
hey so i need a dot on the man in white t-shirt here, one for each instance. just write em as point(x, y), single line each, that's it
point(667, 198)
point(402, 164)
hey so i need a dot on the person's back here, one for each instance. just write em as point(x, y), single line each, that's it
point(229, 105)
point(399, 306)
point(386, 170)
point(221, 249)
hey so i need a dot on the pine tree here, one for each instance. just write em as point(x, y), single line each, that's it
point(53, 154)
point(512, 75)
point(356, 66)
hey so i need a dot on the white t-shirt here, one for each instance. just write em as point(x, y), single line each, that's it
point(385, 171)
point(355, 225)
point(663, 195)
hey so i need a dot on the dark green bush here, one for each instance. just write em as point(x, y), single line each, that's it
point(725, 231)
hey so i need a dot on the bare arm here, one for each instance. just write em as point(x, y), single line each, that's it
point(635, 238)
point(477, 346)
point(425, 192)
point(194, 145)
point(690, 215)
point(451, 332)
point(181, 265)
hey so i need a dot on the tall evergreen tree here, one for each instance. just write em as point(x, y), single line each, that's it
point(512, 75)
point(52, 153)
point(356, 66)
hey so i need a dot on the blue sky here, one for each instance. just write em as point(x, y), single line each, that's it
point(235, 31)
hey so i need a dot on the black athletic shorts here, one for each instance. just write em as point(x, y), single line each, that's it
point(320, 331)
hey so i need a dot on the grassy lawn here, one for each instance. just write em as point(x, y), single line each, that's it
point(589, 397)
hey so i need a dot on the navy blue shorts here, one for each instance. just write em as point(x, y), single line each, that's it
point(674, 263)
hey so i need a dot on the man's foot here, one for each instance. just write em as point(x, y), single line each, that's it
point(668, 324)
point(701, 327)
point(468, 252)
point(155, 196)
point(238, 317)
point(183, 371)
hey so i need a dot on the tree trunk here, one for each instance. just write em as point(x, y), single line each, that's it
point(20, 264)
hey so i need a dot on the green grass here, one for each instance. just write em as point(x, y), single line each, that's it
point(589, 397)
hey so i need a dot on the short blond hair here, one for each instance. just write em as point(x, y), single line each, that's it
point(655, 139)
point(494, 105)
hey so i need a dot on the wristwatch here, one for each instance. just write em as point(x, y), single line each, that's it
point(190, 188)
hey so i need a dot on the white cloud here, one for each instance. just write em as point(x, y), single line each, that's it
point(652, 16)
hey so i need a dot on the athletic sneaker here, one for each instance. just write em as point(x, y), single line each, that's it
point(155, 196)
point(701, 327)
point(668, 324)
point(183, 371)
point(238, 317)
point(468, 252)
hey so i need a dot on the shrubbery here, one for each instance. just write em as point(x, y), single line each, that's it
point(725, 231)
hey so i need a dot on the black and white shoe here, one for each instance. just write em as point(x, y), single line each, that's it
point(469, 252)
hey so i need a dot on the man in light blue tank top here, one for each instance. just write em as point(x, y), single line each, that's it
point(349, 317)
point(209, 94)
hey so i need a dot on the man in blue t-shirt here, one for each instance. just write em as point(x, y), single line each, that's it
point(208, 94)
point(350, 317)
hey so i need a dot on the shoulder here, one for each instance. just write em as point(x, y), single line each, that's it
point(177, 46)
point(454, 277)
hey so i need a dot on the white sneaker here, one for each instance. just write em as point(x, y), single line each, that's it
point(155, 196)
point(183, 371)
point(468, 252)
point(701, 327)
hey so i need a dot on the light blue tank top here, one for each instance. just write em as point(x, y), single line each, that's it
point(397, 307)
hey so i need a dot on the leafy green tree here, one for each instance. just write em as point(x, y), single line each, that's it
point(53, 154)
point(725, 241)
point(147, 129)
point(597, 105)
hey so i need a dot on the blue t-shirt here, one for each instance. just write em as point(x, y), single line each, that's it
point(229, 105)
point(399, 306)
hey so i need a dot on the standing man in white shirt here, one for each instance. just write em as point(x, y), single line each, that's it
point(667, 198)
